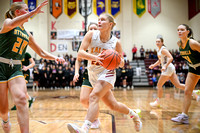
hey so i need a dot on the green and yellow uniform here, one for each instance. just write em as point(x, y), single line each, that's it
point(192, 57)
point(86, 82)
point(25, 62)
point(13, 45)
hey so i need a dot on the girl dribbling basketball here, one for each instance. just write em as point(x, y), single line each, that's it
point(102, 80)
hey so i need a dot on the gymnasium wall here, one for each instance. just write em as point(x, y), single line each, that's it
point(134, 30)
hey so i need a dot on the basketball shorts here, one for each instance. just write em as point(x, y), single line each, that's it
point(8, 73)
point(194, 71)
point(169, 71)
point(105, 75)
point(86, 83)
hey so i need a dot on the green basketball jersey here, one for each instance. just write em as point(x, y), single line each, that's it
point(25, 60)
point(13, 44)
point(191, 56)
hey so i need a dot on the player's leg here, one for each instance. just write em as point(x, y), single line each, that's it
point(175, 81)
point(17, 87)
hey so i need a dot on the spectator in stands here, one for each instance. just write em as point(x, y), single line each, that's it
point(129, 77)
point(71, 75)
point(66, 75)
point(154, 79)
point(35, 77)
point(41, 63)
point(134, 51)
point(60, 77)
point(54, 74)
point(180, 68)
point(118, 77)
point(42, 79)
point(185, 68)
point(142, 52)
point(168, 71)
point(124, 76)
point(48, 77)
point(181, 78)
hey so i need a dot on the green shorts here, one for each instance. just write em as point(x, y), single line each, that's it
point(26, 75)
point(8, 73)
point(194, 71)
point(86, 83)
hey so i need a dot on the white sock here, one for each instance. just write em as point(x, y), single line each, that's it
point(86, 126)
point(184, 114)
point(132, 114)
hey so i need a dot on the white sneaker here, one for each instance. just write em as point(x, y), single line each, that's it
point(137, 122)
point(155, 104)
point(75, 129)
point(6, 127)
point(96, 124)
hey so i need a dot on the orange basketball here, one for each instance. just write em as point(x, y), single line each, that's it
point(111, 59)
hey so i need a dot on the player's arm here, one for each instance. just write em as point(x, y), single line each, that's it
point(42, 53)
point(155, 64)
point(77, 66)
point(10, 24)
point(84, 46)
point(120, 51)
point(169, 58)
point(195, 45)
point(25, 68)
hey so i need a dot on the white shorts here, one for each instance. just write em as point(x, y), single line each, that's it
point(169, 71)
point(105, 75)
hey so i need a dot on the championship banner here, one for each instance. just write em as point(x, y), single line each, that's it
point(70, 7)
point(154, 7)
point(82, 7)
point(56, 8)
point(12, 1)
point(114, 7)
point(99, 6)
point(139, 7)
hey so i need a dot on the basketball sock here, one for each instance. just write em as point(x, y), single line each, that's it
point(132, 113)
point(86, 126)
point(29, 97)
point(184, 114)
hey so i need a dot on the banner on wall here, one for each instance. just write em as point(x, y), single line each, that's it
point(58, 47)
point(56, 8)
point(70, 8)
point(114, 7)
point(154, 7)
point(67, 34)
point(82, 7)
point(139, 7)
point(12, 1)
point(99, 6)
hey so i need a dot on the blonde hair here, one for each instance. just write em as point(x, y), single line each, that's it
point(11, 12)
point(110, 18)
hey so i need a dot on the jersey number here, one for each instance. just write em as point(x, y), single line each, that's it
point(19, 45)
point(187, 58)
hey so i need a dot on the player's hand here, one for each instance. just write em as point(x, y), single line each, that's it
point(76, 76)
point(24, 68)
point(151, 66)
point(59, 60)
point(38, 9)
point(99, 58)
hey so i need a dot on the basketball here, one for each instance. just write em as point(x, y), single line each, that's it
point(111, 59)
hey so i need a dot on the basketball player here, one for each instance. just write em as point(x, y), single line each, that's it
point(13, 43)
point(189, 50)
point(26, 72)
point(86, 87)
point(167, 71)
point(101, 79)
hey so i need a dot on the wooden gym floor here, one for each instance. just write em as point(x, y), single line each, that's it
point(52, 110)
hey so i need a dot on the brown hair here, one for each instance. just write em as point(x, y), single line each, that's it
point(92, 24)
point(162, 40)
point(11, 12)
point(190, 35)
point(110, 18)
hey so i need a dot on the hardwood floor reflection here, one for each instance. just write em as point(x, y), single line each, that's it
point(52, 110)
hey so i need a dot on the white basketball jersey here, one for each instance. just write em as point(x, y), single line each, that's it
point(162, 57)
point(97, 46)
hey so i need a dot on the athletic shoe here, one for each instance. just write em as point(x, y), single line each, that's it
point(75, 129)
point(96, 124)
point(181, 119)
point(155, 104)
point(14, 108)
point(137, 122)
point(6, 127)
point(31, 102)
point(138, 111)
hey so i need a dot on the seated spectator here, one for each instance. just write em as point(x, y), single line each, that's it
point(124, 76)
point(154, 79)
point(181, 78)
point(185, 68)
point(129, 77)
point(118, 77)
